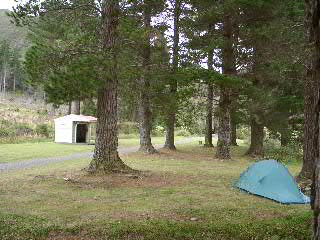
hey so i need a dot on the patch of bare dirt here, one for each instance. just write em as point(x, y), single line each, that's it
point(202, 155)
point(42, 177)
point(140, 180)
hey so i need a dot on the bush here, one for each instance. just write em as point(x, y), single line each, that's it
point(243, 133)
point(23, 129)
point(182, 132)
point(89, 108)
point(13, 132)
point(128, 128)
point(4, 132)
point(128, 136)
point(43, 130)
point(158, 131)
point(293, 152)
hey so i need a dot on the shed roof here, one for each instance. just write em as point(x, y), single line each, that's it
point(76, 118)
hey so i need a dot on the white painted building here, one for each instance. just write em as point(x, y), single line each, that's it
point(74, 129)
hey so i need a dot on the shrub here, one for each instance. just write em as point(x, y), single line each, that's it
point(4, 123)
point(243, 133)
point(128, 128)
point(182, 132)
point(293, 152)
point(44, 130)
point(4, 132)
point(158, 131)
point(23, 129)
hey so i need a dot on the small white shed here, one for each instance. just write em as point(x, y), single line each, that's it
point(74, 129)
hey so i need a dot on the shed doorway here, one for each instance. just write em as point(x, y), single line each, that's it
point(82, 130)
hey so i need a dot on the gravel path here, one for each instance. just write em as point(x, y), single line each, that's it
point(45, 161)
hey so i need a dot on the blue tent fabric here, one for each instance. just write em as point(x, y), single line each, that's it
point(271, 179)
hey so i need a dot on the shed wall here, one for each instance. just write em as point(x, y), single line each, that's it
point(63, 132)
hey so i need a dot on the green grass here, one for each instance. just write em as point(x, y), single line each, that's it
point(26, 151)
point(175, 188)
point(129, 142)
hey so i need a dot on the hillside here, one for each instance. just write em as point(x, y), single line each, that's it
point(26, 118)
point(16, 36)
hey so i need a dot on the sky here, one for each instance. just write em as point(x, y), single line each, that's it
point(6, 4)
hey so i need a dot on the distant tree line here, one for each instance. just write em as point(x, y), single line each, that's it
point(11, 69)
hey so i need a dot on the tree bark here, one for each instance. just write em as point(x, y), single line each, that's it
point(208, 130)
point(310, 124)
point(76, 107)
point(228, 68)
point(312, 107)
point(4, 79)
point(311, 91)
point(315, 186)
point(224, 131)
point(257, 135)
point(69, 107)
point(315, 200)
point(171, 118)
point(106, 158)
point(14, 83)
point(233, 131)
point(145, 114)
point(285, 135)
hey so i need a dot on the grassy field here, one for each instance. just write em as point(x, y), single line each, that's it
point(25, 151)
point(182, 195)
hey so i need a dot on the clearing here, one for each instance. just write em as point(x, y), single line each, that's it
point(25, 151)
point(179, 195)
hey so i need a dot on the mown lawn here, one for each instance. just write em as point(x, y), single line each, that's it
point(183, 195)
point(26, 151)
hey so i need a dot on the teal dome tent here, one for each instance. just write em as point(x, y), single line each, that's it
point(271, 179)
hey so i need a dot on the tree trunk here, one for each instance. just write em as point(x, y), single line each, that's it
point(69, 107)
point(228, 68)
point(257, 135)
point(311, 91)
point(285, 135)
point(312, 108)
point(14, 83)
point(233, 131)
point(171, 118)
point(315, 187)
point(208, 130)
point(310, 124)
point(315, 200)
point(145, 114)
point(76, 107)
point(106, 158)
point(4, 80)
point(223, 145)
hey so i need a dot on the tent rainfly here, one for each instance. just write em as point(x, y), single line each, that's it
point(271, 179)
point(74, 129)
